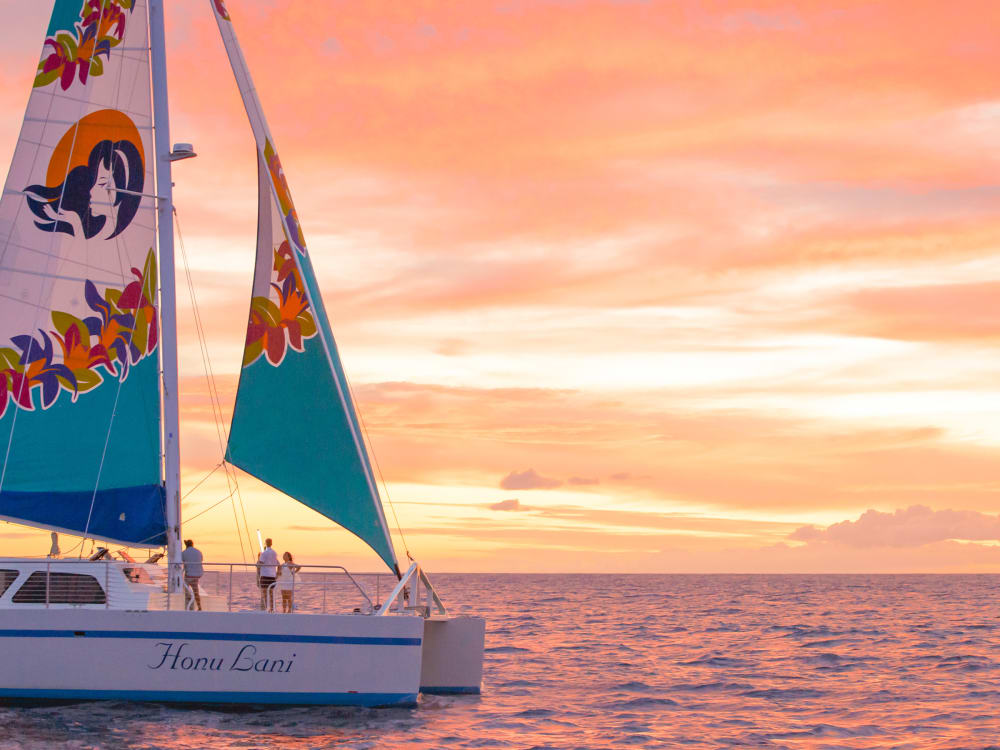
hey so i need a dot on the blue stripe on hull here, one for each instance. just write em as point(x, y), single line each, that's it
point(194, 635)
point(220, 697)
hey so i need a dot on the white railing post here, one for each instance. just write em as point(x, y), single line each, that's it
point(397, 592)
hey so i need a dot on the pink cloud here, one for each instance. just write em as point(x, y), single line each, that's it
point(513, 504)
point(528, 480)
point(915, 526)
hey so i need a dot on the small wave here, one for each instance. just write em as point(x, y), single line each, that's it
point(703, 687)
point(828, 730)
point(645, 702)
point(534, 713)
point(506, 650)
point(716, 661)
point(828, 642)
point(784, 693)
point(636, 687)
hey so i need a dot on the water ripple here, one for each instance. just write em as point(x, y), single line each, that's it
point(645, 661)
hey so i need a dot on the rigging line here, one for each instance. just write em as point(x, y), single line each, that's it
point(232, 482)
point(123, 367)
point(202, 480)
point(211, 507)
point(121, 250)
point(123, 263)
point(378, 468)
point(25, 388)
point(17, 213)
point(36, 528)
point(26, 385)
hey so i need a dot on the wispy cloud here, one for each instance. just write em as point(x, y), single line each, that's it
point(754, 284)
point(513, 504)
point(528, 479)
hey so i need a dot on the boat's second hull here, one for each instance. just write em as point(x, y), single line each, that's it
point(204, 657)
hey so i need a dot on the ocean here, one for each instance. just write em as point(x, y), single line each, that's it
point(645, 661)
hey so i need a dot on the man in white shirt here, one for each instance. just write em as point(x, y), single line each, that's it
point(267, 574)
point(193, 570)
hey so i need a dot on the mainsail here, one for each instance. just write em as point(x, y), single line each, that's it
point(80, 435)
point(294, 424)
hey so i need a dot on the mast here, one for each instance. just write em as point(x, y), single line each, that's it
point(168, 295)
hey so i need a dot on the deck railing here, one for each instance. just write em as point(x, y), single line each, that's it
point(222, 587)
point(314, 589)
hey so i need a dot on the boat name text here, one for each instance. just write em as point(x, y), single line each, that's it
point(173, 656)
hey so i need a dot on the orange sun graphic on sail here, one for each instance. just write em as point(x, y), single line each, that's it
point(94, 180)
point(76, 145)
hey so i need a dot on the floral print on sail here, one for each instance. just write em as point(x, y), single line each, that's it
point(123, 332)
point(288, 213)
point(77, 53)
point(286, 321)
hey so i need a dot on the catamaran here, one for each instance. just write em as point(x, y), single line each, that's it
point(89, 428)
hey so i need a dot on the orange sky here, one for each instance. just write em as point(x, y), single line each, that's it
point(621, 285)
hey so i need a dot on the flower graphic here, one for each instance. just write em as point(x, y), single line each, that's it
point(285, 321)
point(36, 368)
point(77, 53)
point(288, 213)
point(124, 331)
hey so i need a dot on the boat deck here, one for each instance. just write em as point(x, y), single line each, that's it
point(47, 583)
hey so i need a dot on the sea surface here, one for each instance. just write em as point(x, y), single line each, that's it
point(646, 662)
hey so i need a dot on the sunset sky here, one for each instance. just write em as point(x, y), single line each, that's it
point(621, 285)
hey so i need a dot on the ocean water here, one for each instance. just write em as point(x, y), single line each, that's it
point(646, 662)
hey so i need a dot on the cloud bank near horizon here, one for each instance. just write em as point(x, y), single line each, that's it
point(915, 526)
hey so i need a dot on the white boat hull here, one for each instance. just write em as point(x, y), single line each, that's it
point(453, 655)
point(207, 657)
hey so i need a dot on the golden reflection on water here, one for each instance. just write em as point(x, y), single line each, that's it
point(645, 661)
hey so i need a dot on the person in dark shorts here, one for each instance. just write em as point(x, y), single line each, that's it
point(193, 571)
point(267, 574)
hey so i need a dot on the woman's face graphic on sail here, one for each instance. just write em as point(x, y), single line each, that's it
point(97, 200)
point(103, 194)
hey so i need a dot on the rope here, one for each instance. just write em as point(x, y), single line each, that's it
point(26, 386)
point(202, 480)
point(378, 468)
point(122, 270)
point(232, 483)
point(210, 507)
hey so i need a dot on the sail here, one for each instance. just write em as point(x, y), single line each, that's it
point(80, 438)
point(294, 423)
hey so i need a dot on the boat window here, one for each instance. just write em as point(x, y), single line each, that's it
point(7, 577)
point(63, 588)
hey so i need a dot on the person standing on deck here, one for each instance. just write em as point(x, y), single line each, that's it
point(193, 570)
point(267, 573)
point(286, 582)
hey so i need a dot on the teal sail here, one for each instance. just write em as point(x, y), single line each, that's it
point(294, 423)
point(80, 428)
